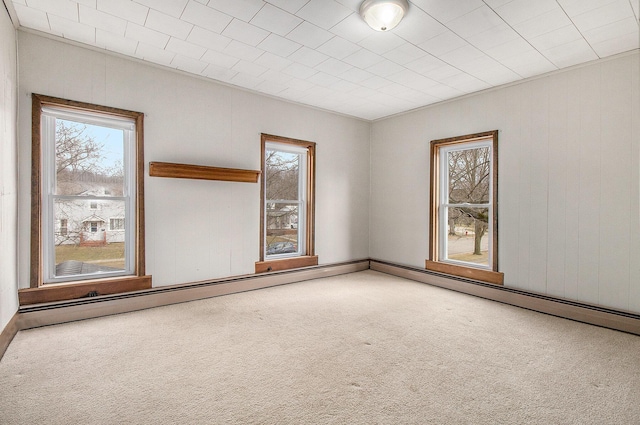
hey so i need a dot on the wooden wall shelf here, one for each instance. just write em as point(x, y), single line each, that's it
point(202, 172)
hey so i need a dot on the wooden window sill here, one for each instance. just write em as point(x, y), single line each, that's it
point(497, 278)
point(202, 172)
point(74, 290)
point(286, 263)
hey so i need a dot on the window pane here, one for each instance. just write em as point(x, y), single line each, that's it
point(469, 175)
point(89, 159)
point(468, 235)
point(282, 173)
point(282, 228)
point(87, 244)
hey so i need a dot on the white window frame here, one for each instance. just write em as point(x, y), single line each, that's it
point(444, 205)
point(49, 115)
point(301, 202)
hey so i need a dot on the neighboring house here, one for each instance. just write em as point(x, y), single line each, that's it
point(91, 221)
point(283, 218)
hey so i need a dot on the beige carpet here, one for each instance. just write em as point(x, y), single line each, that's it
point(364, 348)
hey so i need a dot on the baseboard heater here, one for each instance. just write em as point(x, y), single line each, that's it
point(568, 309)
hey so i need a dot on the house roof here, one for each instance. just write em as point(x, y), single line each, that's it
point(321, 53)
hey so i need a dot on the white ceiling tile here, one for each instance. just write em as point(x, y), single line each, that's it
point(125, 9)
point(219, 73)
point(101, 20)
point(418, 27)
point(442, 72)
point(447, 10)
point(385, 68)
point(279, 45)
point(611, 31)
point(185, 48)
point(518, 11)
point(338, 48)
point(300, 84)
point(208, 39)
point(323, 13)
point(271, 87)
point(323, 79)
point(186, 64)
point(61, 8)
point(444, 92)
point(496, 3)
point(509, 49)
point(333, 67)
point(205, 17)
point(601, 16)
point(547, 22)
point(461, 55)
point(475, 22)
point(308, 57)
point(577, 7)
point(146, 35)
point(275, 20)
point(354, 5)
point(170, 7)
point(275, 76)
point(443, 43)
point(352, 28)
point(168, 24)
point(425, 64)
point(32, 18)
point(344, 86)
point(242, 51)
point(249, 68)
point(245, 80)
point(219, 59)
point(363, 59)
point(245, 33)
point(375, 82)
point(90, 3)
point(529, 63)
point(299, 71)
point(381, 42)
point(465, 83)
point(73, 30)
point(493, 37)
point(616, 45)
point(241, 9)
point(556, 38)
point(490, 71)
point(356, 75)
point(291, 6)
point(572, 53)
point(309, 35)
point(292, 94)
point(412, 79)
point(636, 9)
point(115, 43)
point(154, 54)
point(272, 61)
point(405, 53)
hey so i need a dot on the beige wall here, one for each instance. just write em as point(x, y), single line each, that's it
point(198, 230)
point(569, 148)
point(8, 170)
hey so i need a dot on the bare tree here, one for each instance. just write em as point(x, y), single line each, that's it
point(469, 183)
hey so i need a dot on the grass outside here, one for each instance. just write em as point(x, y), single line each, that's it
point(470, 257)
point(111, 255)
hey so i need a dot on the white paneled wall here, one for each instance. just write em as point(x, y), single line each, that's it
point(8, 171)
point(569, 154)
point(198, 230)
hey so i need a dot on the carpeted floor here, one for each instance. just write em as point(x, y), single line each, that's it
point(363, 348)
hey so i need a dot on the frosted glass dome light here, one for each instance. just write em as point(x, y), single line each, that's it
point(383, 15)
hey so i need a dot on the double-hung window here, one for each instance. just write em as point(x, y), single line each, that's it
point(464, 222)
point(86, 169)
point(287, 204)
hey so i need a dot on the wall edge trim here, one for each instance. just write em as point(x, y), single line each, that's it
point(8, 333)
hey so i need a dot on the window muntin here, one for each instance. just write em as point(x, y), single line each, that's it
point(285, 203)
point(463, 236)
point(88, 169)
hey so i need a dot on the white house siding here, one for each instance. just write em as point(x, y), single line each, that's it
point(195, 229)
point(569, 155)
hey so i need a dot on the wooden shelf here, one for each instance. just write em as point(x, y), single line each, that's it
point(202, 172)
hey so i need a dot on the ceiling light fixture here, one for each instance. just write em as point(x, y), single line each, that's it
point(383, 15)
